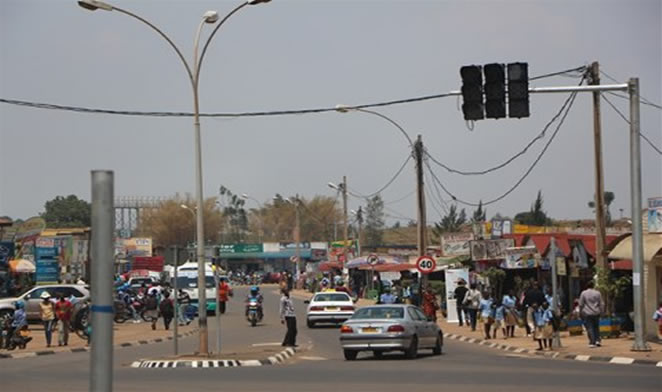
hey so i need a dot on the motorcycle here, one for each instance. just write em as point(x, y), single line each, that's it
point(19, 338)
point(122, 312)
point(253, 311)
point(80, 320)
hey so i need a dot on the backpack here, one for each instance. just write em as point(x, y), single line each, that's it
point(166, 307)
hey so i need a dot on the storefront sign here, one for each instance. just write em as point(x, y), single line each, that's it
point(560, 266)
point(47, 266)
point(456, 244)
point(490, 249)
point(226, 249)
point(521, 257)
point(655, 215)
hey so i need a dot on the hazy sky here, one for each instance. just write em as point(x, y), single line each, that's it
point(317, 53)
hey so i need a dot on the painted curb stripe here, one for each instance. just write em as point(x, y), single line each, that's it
point(622, 360)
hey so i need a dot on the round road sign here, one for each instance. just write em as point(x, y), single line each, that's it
point(373, 259)
point(426, 264)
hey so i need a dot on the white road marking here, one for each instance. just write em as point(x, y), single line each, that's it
point(313, 358)
point(622, 360)
point(266, 344)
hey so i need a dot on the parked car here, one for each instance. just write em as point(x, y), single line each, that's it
point(329, 307)
point(31, 298)
point(383, 328)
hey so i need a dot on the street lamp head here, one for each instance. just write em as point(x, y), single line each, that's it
point(353, 212)
point(184, 206)
point(93, 5)
point(254, 2)
point(210, 17)
point(333, 186)
point(244, 196)
point(343, 108)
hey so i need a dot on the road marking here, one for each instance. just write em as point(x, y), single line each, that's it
point(313, 358)
point(622, 360)
point(582, 357)
point(266, 344)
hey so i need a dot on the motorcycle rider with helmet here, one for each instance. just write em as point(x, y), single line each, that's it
point(255, 294)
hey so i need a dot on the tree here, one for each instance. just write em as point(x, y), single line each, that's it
point(452, 222)
point(536, 216)
point(374, 222)
point(609, 198)
point(235, 215)
point(67, 211)
point(396, 225)
point(479, 215)
point(170, 224)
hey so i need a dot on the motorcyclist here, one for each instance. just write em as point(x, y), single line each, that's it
point(255, 294)
point(18, 321)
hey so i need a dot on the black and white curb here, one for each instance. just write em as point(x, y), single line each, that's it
point(215, 363)
point(555, 355)
point(32, 354)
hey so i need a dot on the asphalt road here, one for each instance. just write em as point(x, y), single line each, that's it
point(463, 367)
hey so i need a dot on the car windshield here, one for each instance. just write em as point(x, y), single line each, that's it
point(328, 297)
point(379, 313)
point(185, 282)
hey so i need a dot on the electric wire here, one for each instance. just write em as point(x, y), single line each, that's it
point(433, 203)
point(643, 102)
point(524, 176)
point(395, 176)
point(400, 198)
point(579, 70)
point(439, 199)
point(642, 99)
point(656, 148)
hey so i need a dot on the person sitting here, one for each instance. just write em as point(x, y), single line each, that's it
point(255, 294)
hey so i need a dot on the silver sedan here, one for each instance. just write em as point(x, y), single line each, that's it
point(383, 328)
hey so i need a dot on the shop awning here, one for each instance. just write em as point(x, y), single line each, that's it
point(652, 246)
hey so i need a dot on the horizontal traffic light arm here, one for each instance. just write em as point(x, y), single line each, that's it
point(566, 89)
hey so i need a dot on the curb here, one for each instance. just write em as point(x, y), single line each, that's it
point(555, 355)
point(134, 343)
point(216, 363)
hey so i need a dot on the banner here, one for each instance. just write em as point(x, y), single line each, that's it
point(456, 244)
point(655, 215)
point(148, 263)
point(490, 249)
point(130, 247)
point(521, 257)
point(452, 276)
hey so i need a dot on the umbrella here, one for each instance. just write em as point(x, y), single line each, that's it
point(329, 265)
point(21, 265)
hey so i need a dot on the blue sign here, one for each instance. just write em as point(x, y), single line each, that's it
point(47, 265)
point(6, 252)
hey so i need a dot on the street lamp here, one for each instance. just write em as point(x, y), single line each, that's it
point(193, 73)
point(187, 208)
point(246, 196)
point(294, 201)
point(342, 187)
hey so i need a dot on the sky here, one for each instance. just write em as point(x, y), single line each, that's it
point(298, 54)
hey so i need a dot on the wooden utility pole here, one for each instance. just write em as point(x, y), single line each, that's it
point(600, 231)
point(345, 228)
point(420, 199)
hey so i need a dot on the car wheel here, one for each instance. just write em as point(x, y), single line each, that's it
point(350, 355)
point(377, 354)
point(437, 346)
point(310, 324)
point(412, 351)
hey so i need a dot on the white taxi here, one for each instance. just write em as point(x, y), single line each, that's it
point(329, 307)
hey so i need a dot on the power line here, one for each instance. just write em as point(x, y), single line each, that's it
point(656, 148)
point(401, 198)
point(437, 193)
point(434, 204)
point(579, 70)
point(526, 174)
point(358, 195)
point(517, 155)
point(644, 102)
point(642, 99)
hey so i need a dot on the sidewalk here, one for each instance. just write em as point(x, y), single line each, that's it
point(571, 345)
point(126, 334)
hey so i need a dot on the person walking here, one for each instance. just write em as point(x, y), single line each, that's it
point(167, 309)
point(184, 300)
point(460, 291)
point(430, 305)
point(487, 313)
point(533, 295)
point(509, 302)
point(63, 311)
point(224, 292)
point(471, 303)
point(288, 317)
point(47, 313)
point(591, 306)
point(152, 308)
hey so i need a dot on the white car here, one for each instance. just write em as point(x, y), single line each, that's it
point(329, 307)
point(32, 297)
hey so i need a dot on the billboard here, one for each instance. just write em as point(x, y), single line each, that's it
point(655, 215)
point(456, 244)
point(47, 265)
point(521, 257)
point(131, 247)
point(490, 249)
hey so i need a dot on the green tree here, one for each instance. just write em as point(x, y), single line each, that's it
point(609, 198)
point(67, 211)
point(479, 215)
point(235, 214)
point(452, 222)
point(374, 221)
point(535, 216)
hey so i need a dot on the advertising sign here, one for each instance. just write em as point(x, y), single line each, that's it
point(130, 247)
point(490, 249)
point(226, 249)
point(456, 244)
point(452, 276)
point(521, 257)
point(655, 215)
point(47, 266)
point(148, 263)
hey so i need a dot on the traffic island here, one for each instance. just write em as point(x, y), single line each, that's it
point(244, 359)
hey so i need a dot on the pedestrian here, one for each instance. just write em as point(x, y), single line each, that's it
point(63, 311)
point(542, 316)
point(152, 308)
point(459, 292)
point(167, 309)
point(533, 295)
point(387, 298)
point(430, 305)
point(184, 300)
point(499, 320)
point(487, 313)
point(471, 303)
point(224, 292)
point(657, 316)
point(288, 317)
point(341, 287)
point(591, 306)
point(509, 303)
point(47, 313)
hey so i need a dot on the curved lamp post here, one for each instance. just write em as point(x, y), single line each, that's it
point(193, 73)
point(246, 196)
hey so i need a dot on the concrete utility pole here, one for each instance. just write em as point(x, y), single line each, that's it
point(103, 224)
point(345, 228)
point(359, 220)
point(420, 202)
point(600, 216)
point(176, 302)
point(217, 314)
point(297, 237)
point(556, 342)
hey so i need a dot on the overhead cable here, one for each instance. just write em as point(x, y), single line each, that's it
point(656, 148)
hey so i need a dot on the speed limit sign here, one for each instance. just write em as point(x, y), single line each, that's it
point(373, 259)
point(426, 264)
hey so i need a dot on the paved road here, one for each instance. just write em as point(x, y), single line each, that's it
point(463, 367)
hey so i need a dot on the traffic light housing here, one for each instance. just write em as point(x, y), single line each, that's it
point(495, 90)
point(518, 90)
point(472, 92)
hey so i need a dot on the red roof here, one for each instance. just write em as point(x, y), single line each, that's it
point(541, 241)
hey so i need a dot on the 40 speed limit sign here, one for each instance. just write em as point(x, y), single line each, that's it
point(426, 264)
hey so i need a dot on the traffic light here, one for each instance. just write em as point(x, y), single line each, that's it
point(495, 90)
point(472, 92)
point(518, 90)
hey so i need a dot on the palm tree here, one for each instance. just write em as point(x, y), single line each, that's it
point(609, 198)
